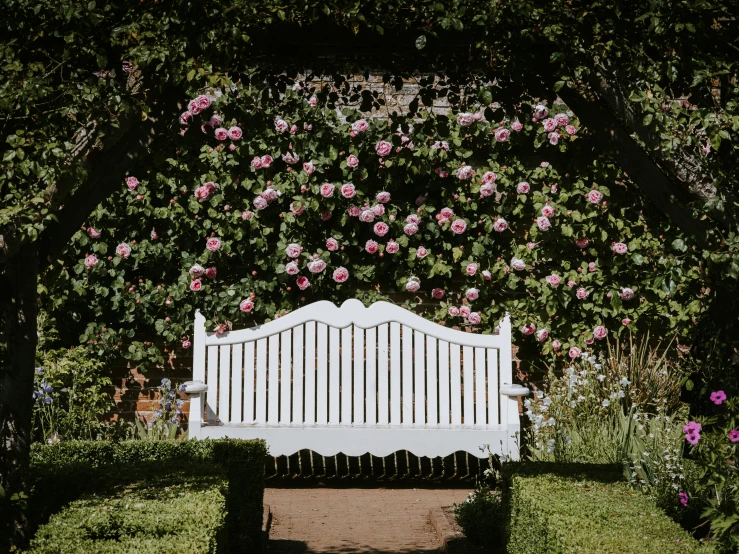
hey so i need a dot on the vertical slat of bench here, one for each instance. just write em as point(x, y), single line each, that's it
point(198, 374)
point(249, 415)
point(371, 373)
point(298, 358)
point(468, 413)
point(395, 373)
point(443, 383)
point(346, 375)
point(480, 405)
point(333, 376)
point(359, 359)
point(493, 417)
point(224, 386)
point(407, 377)
point(419, 378)
point(508, 405)
point(456, 380)
point(286, 344)
point(261, 360)
point(237, 388)
point(310, 373)
point(322, 375)
point(383, 368)
point(212, 398)
point(432, 417)
point(273, 384)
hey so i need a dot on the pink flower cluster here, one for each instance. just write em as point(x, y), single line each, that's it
point(203, 192)
point(262, 163)
point(692, 431)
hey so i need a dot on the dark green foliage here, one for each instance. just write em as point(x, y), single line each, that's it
point(482, 517)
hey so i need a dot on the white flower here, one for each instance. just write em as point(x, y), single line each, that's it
point(598, 366)
point(527, 403)
point(605, 403)
point(547, 401)
point(625, 382)
point(540, 394)
point(551, 422)
point(573, 404)
point(570, 370)
point(601, 378)
point(621, 394)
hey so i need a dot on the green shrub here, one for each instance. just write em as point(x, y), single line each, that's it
point(559, 509)
point(63, 470)
point(183, 511)
point(482, 516)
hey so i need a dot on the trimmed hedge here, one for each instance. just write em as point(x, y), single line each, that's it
point(563, 509)
point(64, 470)
point(179, 512)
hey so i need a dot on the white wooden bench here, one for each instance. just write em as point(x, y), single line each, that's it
point(356, 380)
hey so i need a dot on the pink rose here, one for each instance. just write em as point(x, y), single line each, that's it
point(553, 138)
point(392, 247)
point(210, 273)
point(554, 280)
point(292, 250)
point(556, 344)
point(267, 160)
point(591, 266)
point(341, 274)
point(540, 112)
point(332, 244)
point(458, 226)
point(123, 250)
point(360, 126)
point(309, 168)
point(528, 329)
point(352, 161)
point(472, 294)
point(530, 245)
point(348, 191)
point(260, 203)
point(542, 335)
point(570, 130)
point(500, 225)
point(153, 235)
point(381, 229)
point(600, 332)
point(196, 270)
point(203, 102)
point(489, 177)
point(438, 294)
point(292, 268)
point(383, 148)
point(201, 193)
point(547, 211)
point(571, 283)
point(474, 318)
point(561, 119)
point(487, 189)
point(91, 261)
point(518, 264)
point(354, 211)
point(502, 134)
point(290, 158)
point(246, 214)
point(383, 197)
point(313, 101)
point(235, 133)
point(523, 188)
point(93, 233)
point(413, 218)
point(465, 311)
point(625, 321)
point(464, 172)
point(582, 243)
point(307, 127)
point(619, 248)
point(213, 244)
point(582, 293)
point(316, 266)
point(293, 129)
point(186, 344)
point(196, 285)
point(478, 116)
point(549, 125)
point(371, 246)
point(193, 107)
point(326, 215)
point(626, 293)
point(281, 125)
point(256, 163)
point(421, 252)
point(453, 311)
point(296, 209)
point(246, 305)
point(185, 118)
point(516, 125)
point(575, 353)
point(210, 186)
point(367, 216)
point(487, 275)
point(221, 133)
point(302, 282)
point(412, 285)
point(410, 229)
point(471, 269)
point(215, 120)
point(327, 190)
point(465, 119)
point(543, 223)
point(594, 196)
point(378, 210)
point(132, 183)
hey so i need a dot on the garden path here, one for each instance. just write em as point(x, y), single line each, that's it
point(355, 520)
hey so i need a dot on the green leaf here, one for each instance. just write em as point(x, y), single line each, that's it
point(190, 74)
point(679, 244)
point(421, 42)
point(647, 119)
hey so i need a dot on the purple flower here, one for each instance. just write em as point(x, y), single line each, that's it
point(39, 370)
point(683, 496)
point(693, 438)
point(718, 397)
point(734, 435)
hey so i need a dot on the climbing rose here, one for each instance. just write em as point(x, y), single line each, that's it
point(290, 158)
point(582, 243)
point(292, 268)
point(93, 233)
point(591, 266)
point(594, 196)
point(221, 133)
point(549, 125)
point(488, 177)
point(517, 125)
point(246, 214)
point(383, 197)
point(327, 190)
point(410, 229)
point(542, 335)
point(367, 216)
point(486, 275)
point(383, 148)
point(302, 282)
point(267, 160)
point(574, 353)
point(543, 223)
point(464, 172)
point(718, 397)
point(297, 210)
point(561, 119)
point(195, 285)
point(309, 168)
point(547, 211)
point(313, 101)
point(196, 270)
point(582, 293)
point(502, 135)
point(352, 161)
point(471, 269)
point(540, 112)
point(465, 119)
point(414, 219)
point(378, 210)
point(123, 250)
point(421, 252)
point(201, 193)
point(600, 332)
point(360, 126)
point(91, 261)
point(570, 130)
point(235, 133)
point(213, 244)
point(392, 247)
point(412, 285)
point(553, 138)
point(453, 311)
point(215, 120)
point(438, 294)
point(256, 163)
point(193, 107)
point(354, 211)
point(459, 226)
point(626, 293)
point(528, 329)
point(332, 244)
point(210, 186)
point(472, 294)
point(246, 305)
point(348, 191)
point(554, 280)
point(210, 273)
point(474, 318)
point(292, 250)
point(487, 189)
point(185, 117)
point(381, 229)
point(465, 311)
point(316, 266)
point(260, 203)
point(625, 321)
point(523, 187)
point(500, 225)
point(518, 264)
point(619, 248)
point(341, 274)
point(571, 283)
point(281, 125)
point(203, 102)
point(186, 344)
point(371, 246)
point(132, 183)
point(556, 344)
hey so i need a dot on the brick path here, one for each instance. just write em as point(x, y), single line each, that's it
point(352, 520)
